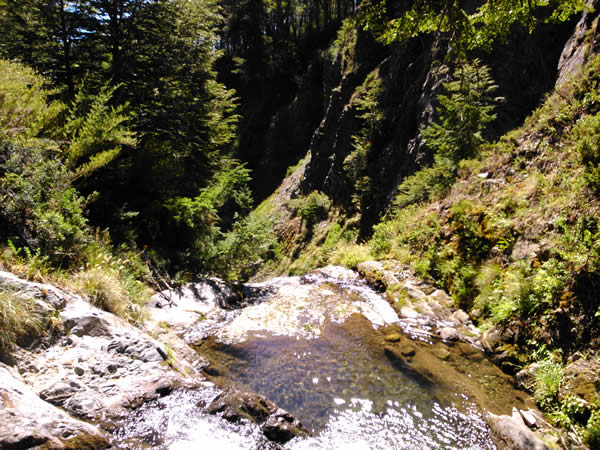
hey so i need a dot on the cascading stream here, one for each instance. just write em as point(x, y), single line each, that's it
point(329, 350)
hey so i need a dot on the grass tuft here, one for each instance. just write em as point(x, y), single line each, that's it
point(19, 317)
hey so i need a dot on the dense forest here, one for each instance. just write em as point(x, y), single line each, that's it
point(144, 143)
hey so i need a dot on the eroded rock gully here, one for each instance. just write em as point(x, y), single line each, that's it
point(220, 362)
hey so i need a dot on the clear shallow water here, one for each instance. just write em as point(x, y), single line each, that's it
point(343, 388)
point(330, 371)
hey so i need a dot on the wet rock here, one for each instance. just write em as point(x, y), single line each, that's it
point(491, 339)
point(80, 320)
point(440, 297)
point(104, 366)
point(277, 424)
point(282, 427)
point(460, 316)
point(140, 349)
point(582, 378)
point(526, 376)
point(27, 421)
point(529, 418)
point(449, 334)
point(510, 432)
point(408, 350)
point(408, 313)
point(58, 393)
point(442, 353)
point(84, 405)
point(234, 405)
point(393, 337)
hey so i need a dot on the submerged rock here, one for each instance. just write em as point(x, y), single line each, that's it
point(276, 424)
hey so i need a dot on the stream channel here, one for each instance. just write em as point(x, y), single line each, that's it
point(335, 355)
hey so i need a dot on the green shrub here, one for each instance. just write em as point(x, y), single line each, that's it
point(548, 380)
point(19, 317)
point(464, 112)
point(25, 111)
point(587, 135)
point(350, 255)
point(592, 431)
point(40, 209)
point(242, 250)
point(312, 208)
point(468, 223)
point(427, 183)
point(344, 44)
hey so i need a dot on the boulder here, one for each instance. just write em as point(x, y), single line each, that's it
point(582, 378)
point(460, 316)
point(28, 421)
point(276, 424)
point(511, 432)
point(449, 334)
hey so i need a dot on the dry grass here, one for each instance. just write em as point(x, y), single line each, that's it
point(19, 317)
point(103, 288)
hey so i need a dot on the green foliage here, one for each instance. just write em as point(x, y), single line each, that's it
point(40, 209)
point(25, 109)
point(466, 29)
point(198, 218)
point(464, 112)
point(427, 183)
point(580, 243)
point(245, 248)
point(471, 230)
point(350, 255)
point(344, 45)
point(519, 289)
point(592, 431)
point(96, 131)
point(311, 208)
point(19, 317)
point(587, 134)
point(366, 101)
point(548, 379)
point(114, 280)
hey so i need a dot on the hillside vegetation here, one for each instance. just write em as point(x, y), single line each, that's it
point(510, 228)
point(136, 137)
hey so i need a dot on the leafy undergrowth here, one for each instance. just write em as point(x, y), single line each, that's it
point(516, 239)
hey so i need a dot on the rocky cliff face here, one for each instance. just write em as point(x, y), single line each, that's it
point(525, 68)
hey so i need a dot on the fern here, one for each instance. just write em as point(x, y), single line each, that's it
point(96, 130)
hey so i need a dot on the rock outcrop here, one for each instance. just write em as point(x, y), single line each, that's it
point(99, 366)
point(276, 424)
point(512, 433)
point(425, 312)
point(28, 421)
point(584, 41)
point(73, 387)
